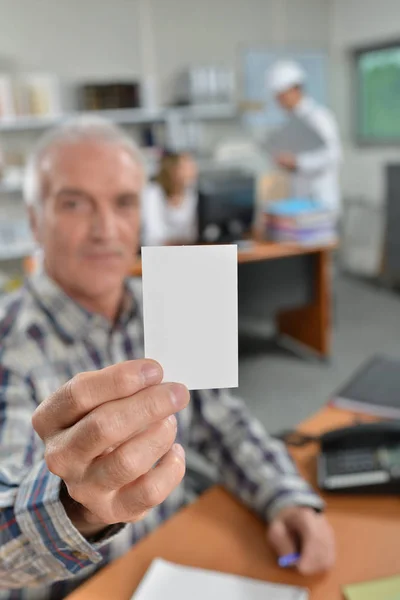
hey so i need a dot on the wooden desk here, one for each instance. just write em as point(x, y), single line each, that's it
point(310, 324)
point(218, 533)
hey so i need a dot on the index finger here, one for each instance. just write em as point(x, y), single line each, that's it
point(84, 392)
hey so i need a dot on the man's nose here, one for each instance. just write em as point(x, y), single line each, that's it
point(104, 224)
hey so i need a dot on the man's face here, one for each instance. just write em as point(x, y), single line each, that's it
point(290, 98)
point(89, 222)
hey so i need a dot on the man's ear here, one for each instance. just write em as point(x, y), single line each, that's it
point(35, 224)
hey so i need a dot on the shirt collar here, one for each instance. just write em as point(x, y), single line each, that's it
point(73, 321)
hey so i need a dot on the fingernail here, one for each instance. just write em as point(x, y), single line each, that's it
point(179, 395)
point(151, 372)
point(178, 449)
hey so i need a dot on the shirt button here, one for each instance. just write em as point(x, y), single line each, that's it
point(79, 555)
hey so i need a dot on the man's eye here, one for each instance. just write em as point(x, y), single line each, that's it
point(72, 204)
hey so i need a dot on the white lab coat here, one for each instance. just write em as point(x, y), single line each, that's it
point(317, 173)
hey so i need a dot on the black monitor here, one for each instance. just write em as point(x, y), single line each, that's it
point(226, 205)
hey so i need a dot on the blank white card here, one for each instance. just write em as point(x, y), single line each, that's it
point(190, 313)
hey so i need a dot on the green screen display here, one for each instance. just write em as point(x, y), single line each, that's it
point(378, 106)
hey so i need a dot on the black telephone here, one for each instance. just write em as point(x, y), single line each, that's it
point(362, 458)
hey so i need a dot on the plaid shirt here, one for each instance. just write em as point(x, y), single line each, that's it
point(46, 338)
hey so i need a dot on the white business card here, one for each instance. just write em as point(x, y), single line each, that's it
point(190, 310)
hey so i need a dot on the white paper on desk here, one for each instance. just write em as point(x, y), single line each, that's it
point(190, 313)
point(167, 581)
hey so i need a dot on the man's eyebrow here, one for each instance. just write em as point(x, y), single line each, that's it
point(72, 192)
point(128, 194)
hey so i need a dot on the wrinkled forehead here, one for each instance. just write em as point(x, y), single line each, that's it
point(91, 163)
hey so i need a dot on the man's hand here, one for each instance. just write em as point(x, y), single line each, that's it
point(301, 529)
point(286, 160)
point(103, 433)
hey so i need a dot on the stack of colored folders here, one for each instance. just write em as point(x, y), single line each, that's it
point(300, 221)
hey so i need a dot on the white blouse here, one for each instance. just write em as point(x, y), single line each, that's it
point(163, 223)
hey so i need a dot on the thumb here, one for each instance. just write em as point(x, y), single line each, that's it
point(280, 539)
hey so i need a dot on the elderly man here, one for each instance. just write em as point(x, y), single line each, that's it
point(85, 418)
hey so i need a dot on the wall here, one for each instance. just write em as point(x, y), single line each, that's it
point(357, 23)
point(95, 38)
point(75, 38)
point(216, 30)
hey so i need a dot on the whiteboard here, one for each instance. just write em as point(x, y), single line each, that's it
point(257, 62)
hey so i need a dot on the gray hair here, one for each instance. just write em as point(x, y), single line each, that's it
point(72, 131)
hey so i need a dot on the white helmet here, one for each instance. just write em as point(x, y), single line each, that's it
point(285, 75)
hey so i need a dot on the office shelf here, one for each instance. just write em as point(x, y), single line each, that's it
point(21, 251)
point(10, 188)
point(127, 116)
point(28, 123)
point(206, 111)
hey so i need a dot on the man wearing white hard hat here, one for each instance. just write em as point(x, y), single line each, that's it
point(314, 174)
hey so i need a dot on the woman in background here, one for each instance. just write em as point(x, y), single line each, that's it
point(169, 204)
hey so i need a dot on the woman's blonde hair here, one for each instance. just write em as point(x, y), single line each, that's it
point(165, 176)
